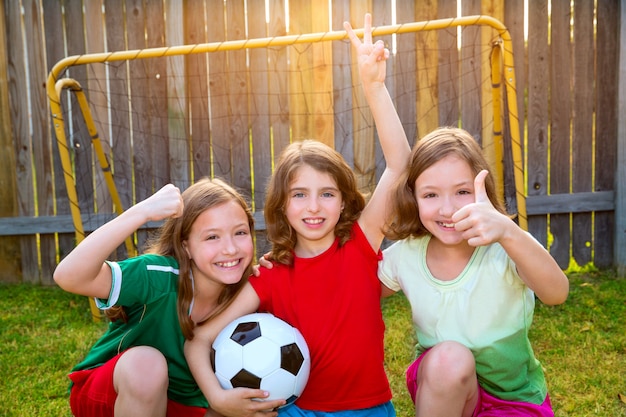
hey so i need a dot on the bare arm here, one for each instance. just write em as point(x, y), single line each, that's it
point(84, 271)
point(238, 402)
point(372, 63)
point(482, 224)
point(386, 291)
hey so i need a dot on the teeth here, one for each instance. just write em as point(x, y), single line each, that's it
point(313, 221)
point(228, 264)
point(448, 224)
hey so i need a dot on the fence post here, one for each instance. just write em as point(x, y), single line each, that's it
point(620, 175)
point(10, 254)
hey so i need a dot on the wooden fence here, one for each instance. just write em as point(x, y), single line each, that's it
point(252, 102)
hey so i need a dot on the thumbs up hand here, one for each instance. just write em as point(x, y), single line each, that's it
point(479, 222)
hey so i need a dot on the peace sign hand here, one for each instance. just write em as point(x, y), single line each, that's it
point(371, 56)
point(480, 223)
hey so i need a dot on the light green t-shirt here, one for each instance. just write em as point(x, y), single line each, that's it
point(487, 308)
point(147, 286)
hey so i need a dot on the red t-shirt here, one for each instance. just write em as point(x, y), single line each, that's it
point(334, 300)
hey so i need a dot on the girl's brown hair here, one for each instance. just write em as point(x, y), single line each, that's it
point(168, 241)
point(322, 158)
point(441, 142)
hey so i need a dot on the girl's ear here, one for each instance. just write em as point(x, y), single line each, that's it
point(186, 249)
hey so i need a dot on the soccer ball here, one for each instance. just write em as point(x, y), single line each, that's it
point(262, 351)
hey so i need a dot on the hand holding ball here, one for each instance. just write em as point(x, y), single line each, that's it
point(262, 351)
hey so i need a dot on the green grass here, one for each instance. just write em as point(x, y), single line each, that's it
point(581, 344)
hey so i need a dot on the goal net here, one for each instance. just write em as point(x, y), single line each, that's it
point(129, 122)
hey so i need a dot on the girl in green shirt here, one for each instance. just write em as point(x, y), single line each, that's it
point(198, 261)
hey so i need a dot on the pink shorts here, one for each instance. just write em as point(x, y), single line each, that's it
point(488, 405)
point(93, 394)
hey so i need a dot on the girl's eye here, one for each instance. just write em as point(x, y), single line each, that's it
point(211, 237)
point(242, 233)
point(328, 194)
point(298, 195)
point(430, 195)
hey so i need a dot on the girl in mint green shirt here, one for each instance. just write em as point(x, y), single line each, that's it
point(471, 275)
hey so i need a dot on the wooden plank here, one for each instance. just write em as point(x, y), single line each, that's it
point(560, 132)
point(584, 202)
point(606, 126)
point(10, 256)
point(582, 138)
point(514, 21)
point(238, 133)
point(80, 141)
point(140, 73)
point(17, 86)
point(143, 170)
point(218, 81)
point(278, 80)
point(322, 76)
point(471, 76)
point(30, 225)
point(41, 134)
point(492, 144)
point(176, 99)
point(406, 72)
point(260, 124)
point(382, 15)
point(55, 51)
point(620, 175)
point(163, 84)
point(259, 105)
point(300, 72)
point(448, 72)
point(198, 88)
point(96, 95)
point(342, 85)
point(119, 105)
point(363, 136)
point(427, 56)
point(538, 82)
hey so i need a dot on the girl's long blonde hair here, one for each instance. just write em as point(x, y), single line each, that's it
point(404, 221)
point(324, 159)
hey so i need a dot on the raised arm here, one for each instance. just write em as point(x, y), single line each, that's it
point(372, 62)
point(84, 271)
point(238, 402)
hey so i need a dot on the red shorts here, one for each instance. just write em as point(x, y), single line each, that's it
point(93, 394)
point(488, 405)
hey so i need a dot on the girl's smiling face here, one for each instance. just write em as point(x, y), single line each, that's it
point(220, 244)
point(313, 209)
point(441, 190)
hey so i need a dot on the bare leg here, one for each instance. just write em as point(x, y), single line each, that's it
point(447, 383)
point(141, 380)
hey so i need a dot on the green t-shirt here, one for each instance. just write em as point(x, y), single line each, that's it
point(147, 287)
point(487, 308)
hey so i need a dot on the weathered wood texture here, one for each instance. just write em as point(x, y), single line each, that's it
point(230, 113)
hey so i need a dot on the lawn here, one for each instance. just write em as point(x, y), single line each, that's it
point(581, 344)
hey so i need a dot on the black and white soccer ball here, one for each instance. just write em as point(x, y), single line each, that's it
point(262, 351)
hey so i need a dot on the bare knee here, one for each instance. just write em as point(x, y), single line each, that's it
point(448, 365)
point(142, 373)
